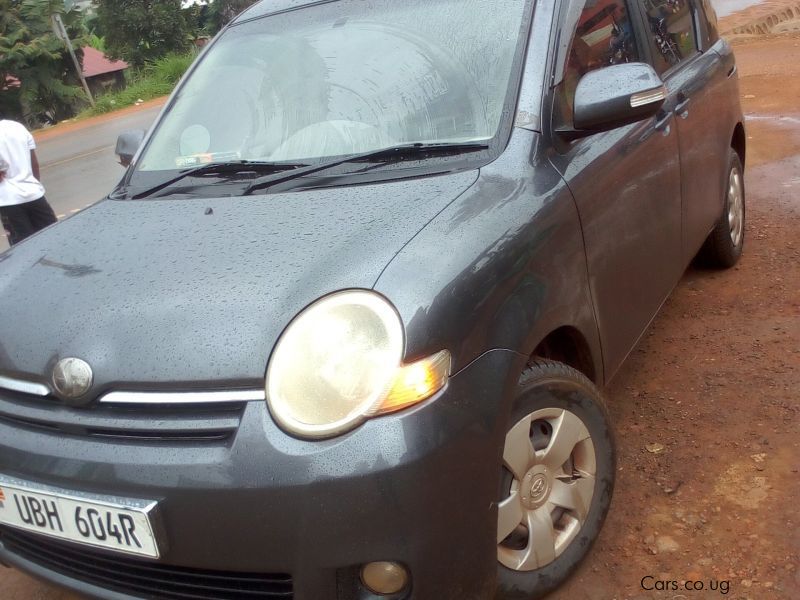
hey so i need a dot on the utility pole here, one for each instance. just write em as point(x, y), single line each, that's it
point(62, 33)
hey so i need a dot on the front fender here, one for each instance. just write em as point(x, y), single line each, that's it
point(500, 267)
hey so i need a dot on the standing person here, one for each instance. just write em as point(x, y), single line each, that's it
point(23, 207)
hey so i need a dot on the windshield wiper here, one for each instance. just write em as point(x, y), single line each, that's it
point(233, 167)
point(382, 156)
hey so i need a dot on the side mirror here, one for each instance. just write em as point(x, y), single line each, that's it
point(128, 143)
point(615, 96)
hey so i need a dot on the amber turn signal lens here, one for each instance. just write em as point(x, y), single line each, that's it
point(416, 382)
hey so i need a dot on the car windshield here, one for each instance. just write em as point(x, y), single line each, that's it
point(343, 78)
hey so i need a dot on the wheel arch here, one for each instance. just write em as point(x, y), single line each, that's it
point(739, 142)
point(566, 344)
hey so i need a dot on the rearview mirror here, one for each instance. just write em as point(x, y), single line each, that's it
point(615, 96)
point(128, 143)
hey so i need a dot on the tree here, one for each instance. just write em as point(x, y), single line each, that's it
point(32, 54)
point(221, 12)
point(139, 31)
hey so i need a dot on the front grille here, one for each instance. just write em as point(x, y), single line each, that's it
point(151, 423)
point(140, 578)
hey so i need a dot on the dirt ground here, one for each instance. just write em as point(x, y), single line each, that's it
point(707, 407)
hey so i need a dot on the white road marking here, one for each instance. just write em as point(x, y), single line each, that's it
point(71, 158)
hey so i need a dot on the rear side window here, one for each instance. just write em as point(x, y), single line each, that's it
point(672, 32)
point(604, 37)
point(709, 30)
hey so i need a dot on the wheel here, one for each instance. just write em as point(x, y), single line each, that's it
point(557, 479)
point(723, 247)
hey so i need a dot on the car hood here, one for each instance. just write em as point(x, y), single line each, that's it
point(176, 293)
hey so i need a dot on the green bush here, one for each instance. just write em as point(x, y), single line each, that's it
point(142, 30)
point(31, 52)
point(97, 42)
point(154, 79)
point(170, 68)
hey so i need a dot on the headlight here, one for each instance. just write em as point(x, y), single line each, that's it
point(339, 362)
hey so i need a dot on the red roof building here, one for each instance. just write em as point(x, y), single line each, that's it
point(101, 73)
point(10, 82)
point(96, 63)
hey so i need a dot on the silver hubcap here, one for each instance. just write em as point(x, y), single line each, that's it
point(551, 458)
point(735, 206)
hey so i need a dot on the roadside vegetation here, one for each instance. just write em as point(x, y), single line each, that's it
point(38, 83)
point(156, 78)
point(157, 38)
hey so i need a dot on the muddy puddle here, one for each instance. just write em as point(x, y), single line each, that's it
point(789, 121)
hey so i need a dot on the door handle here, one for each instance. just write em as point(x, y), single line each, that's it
point(663, 119)
point(682, 108)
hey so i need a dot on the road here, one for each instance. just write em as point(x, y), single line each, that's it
point(78, 164)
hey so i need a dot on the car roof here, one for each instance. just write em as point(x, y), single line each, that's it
point(268, 7)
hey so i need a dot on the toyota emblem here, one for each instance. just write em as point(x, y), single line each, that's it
point(72, 377)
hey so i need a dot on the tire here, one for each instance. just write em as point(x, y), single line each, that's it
point(558, 399)
point(723, 247)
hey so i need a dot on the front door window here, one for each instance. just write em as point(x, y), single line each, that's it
point(672, 32)
point(604, 37)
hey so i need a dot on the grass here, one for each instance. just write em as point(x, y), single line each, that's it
point(151, 81)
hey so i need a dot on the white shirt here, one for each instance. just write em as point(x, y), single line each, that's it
point(19, 185)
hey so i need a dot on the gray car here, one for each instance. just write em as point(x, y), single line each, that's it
point(340, 331)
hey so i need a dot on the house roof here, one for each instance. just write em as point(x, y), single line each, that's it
point(96, 63)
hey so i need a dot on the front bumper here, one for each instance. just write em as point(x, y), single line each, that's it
point(417, 487)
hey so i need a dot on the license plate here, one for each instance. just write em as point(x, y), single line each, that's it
point(120, 524)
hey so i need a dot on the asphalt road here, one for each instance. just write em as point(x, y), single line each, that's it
point(78, 164)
